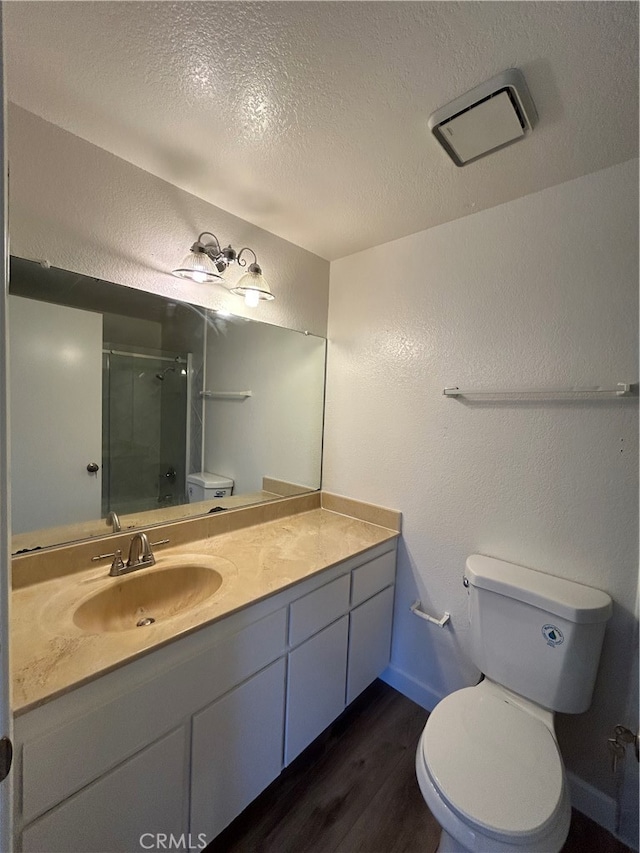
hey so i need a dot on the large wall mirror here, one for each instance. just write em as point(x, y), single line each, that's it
point(129, 410)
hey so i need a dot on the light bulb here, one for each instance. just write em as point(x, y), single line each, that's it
point(253, 287)
point(200, 277)
point(252, 298)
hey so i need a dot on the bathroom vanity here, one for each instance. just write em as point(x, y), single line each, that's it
point(180, 736)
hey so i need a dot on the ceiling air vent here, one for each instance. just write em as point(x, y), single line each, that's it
point(487, 118)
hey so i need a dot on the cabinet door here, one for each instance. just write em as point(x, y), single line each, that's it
point(145, 796)
point(236, 750)
point(316, 686)
point(369, 641)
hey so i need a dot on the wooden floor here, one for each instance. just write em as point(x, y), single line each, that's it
point(355, 791)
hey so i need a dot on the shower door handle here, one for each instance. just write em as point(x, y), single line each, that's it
point(93, 467)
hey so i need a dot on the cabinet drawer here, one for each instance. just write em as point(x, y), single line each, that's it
point(372, 577)
point(146, 794)
point(320, 608)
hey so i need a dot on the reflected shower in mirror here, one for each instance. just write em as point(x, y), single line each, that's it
point(128, 409)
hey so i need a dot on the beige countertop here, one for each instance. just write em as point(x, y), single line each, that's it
point(51, 654)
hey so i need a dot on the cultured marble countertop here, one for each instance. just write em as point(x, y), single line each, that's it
point(51, 654)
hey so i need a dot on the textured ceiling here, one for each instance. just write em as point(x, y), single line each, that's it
point(310, 119)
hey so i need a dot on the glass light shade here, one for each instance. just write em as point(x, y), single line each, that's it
point(199, 267)
point(253, 285)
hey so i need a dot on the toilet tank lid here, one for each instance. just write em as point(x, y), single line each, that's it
point(209, 481)
point(568, 599)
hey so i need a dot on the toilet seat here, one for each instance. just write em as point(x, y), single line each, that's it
point(494, 764)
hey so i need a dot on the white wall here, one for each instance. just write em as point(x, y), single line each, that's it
point(86, 210)
point(541, 291)
point(277, 432)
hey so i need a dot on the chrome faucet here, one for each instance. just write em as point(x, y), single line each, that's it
point(113, 519)
point(140, 556)
point(140, 553)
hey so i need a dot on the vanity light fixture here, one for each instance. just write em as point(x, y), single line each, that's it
point(253, 285)
point(207, 261)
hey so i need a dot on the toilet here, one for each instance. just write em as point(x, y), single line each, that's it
point(488, 762)
point(205, 486)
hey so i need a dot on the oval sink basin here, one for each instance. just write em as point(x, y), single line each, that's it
point(144, 598)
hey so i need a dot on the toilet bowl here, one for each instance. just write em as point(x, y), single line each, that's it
point(488, 763)
point(490, 771)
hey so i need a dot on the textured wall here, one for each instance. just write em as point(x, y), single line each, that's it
point(541, 291)
point(86, 210)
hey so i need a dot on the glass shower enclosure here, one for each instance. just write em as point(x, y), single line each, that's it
point(145, 429)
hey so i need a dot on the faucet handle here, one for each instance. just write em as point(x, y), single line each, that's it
point(102, 557)
point(118, 564)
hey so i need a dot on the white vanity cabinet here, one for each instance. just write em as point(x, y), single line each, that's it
point(318, 643)
point(370, 622)
point(317, 673)
point(236, 750)
point(369, 641)
point(181, 740)
point(108, 816)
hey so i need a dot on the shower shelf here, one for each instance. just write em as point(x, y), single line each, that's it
point(225, 395)
point(622, 389)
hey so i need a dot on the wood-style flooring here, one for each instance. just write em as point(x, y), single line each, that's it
point(354, 790)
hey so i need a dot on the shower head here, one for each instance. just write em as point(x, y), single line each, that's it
point(161, 375)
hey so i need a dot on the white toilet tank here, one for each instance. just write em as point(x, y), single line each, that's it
point(205, 486)
point(536, 634)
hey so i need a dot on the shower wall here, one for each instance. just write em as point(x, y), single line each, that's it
point(174, 439)
point(144, 430)
point(183, 331)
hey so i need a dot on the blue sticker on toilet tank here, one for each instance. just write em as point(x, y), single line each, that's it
point(553, 635)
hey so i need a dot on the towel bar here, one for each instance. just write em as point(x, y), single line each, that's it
point(415, 608)
point(224, 395)
point(622, 389)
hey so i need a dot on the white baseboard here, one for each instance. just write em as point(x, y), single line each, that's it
point(592, 802)
point(411, 688)
point(584, 797)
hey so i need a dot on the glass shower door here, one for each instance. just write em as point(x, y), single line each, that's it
point(145, 431)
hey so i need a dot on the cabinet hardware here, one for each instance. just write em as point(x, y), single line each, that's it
point(6, 757)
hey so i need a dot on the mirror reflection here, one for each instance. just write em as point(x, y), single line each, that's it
point(128, 409)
